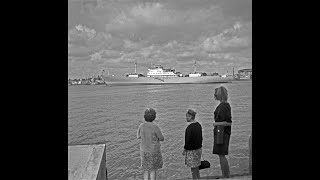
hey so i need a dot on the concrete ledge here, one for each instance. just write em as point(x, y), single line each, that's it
point(87, 162)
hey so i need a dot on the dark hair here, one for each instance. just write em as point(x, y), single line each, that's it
point(149, 114)
point(192, 113)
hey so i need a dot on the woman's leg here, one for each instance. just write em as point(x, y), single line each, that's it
point(224, 166)
point(153, 175)
point(195, 173)
point(198, 172)
point(145, 175)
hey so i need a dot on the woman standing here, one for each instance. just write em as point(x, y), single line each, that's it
point(193, 144)
point(150, 135)
point(222, 129)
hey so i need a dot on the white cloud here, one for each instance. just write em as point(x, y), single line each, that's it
point(84, 31)
point(131, 45)
point(227, 40)
point(237, 26)
point(186, 54)
point(151, 13)
point(147, 51)
point(156, 21)
point(111, 53)
point(96, 56)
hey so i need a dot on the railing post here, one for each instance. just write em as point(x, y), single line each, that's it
point(250, 154)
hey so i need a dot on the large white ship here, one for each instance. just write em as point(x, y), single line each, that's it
point(160, 75)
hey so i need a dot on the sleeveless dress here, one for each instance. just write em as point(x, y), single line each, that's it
point(222, 113)
point(151, 160)
point(150, 152)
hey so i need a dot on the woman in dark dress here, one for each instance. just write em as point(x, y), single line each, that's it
point(222, 126)
point(193, 144)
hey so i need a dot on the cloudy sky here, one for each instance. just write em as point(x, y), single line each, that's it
point(112, 35)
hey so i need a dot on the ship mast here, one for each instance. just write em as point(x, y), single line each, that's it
point(135, 68)
point(104, 71)
point(195, 67)
point(173, 66)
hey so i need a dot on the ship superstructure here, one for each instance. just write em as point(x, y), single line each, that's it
point(158, 71)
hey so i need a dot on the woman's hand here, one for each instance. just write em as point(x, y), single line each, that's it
point(184, 152)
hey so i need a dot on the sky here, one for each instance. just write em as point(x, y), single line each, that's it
point(113, 35)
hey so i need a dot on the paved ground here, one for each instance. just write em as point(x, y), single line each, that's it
point(247, 177)
point(233, 177)
point(241, 177)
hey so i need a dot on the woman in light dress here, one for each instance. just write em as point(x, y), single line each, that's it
point(150, 135)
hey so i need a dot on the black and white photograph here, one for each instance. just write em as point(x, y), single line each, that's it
point(159, 89)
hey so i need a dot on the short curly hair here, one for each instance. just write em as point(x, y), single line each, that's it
point(192, 113)
point(149, 115)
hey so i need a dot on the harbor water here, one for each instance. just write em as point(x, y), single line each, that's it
point(112, 114)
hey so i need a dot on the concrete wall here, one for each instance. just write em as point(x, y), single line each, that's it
point(87, 162)
point(102, 174)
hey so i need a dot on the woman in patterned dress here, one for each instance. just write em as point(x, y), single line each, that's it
point(222, 118)
point(193, 144)
point(150, 135)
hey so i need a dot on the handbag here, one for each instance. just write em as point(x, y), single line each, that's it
point(204, 164)
point(220, 131)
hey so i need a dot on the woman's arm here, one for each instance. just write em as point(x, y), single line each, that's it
point(223, 123)
point(159, 134)
point(138, 133)
point(187, 138)
point(184, 152)
point(223, 116)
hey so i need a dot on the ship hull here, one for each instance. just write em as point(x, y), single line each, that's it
point(125, 81)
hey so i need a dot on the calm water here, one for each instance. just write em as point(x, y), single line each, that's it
point(111, 115)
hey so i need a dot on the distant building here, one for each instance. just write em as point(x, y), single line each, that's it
point(245, 73)
point(215, 74)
